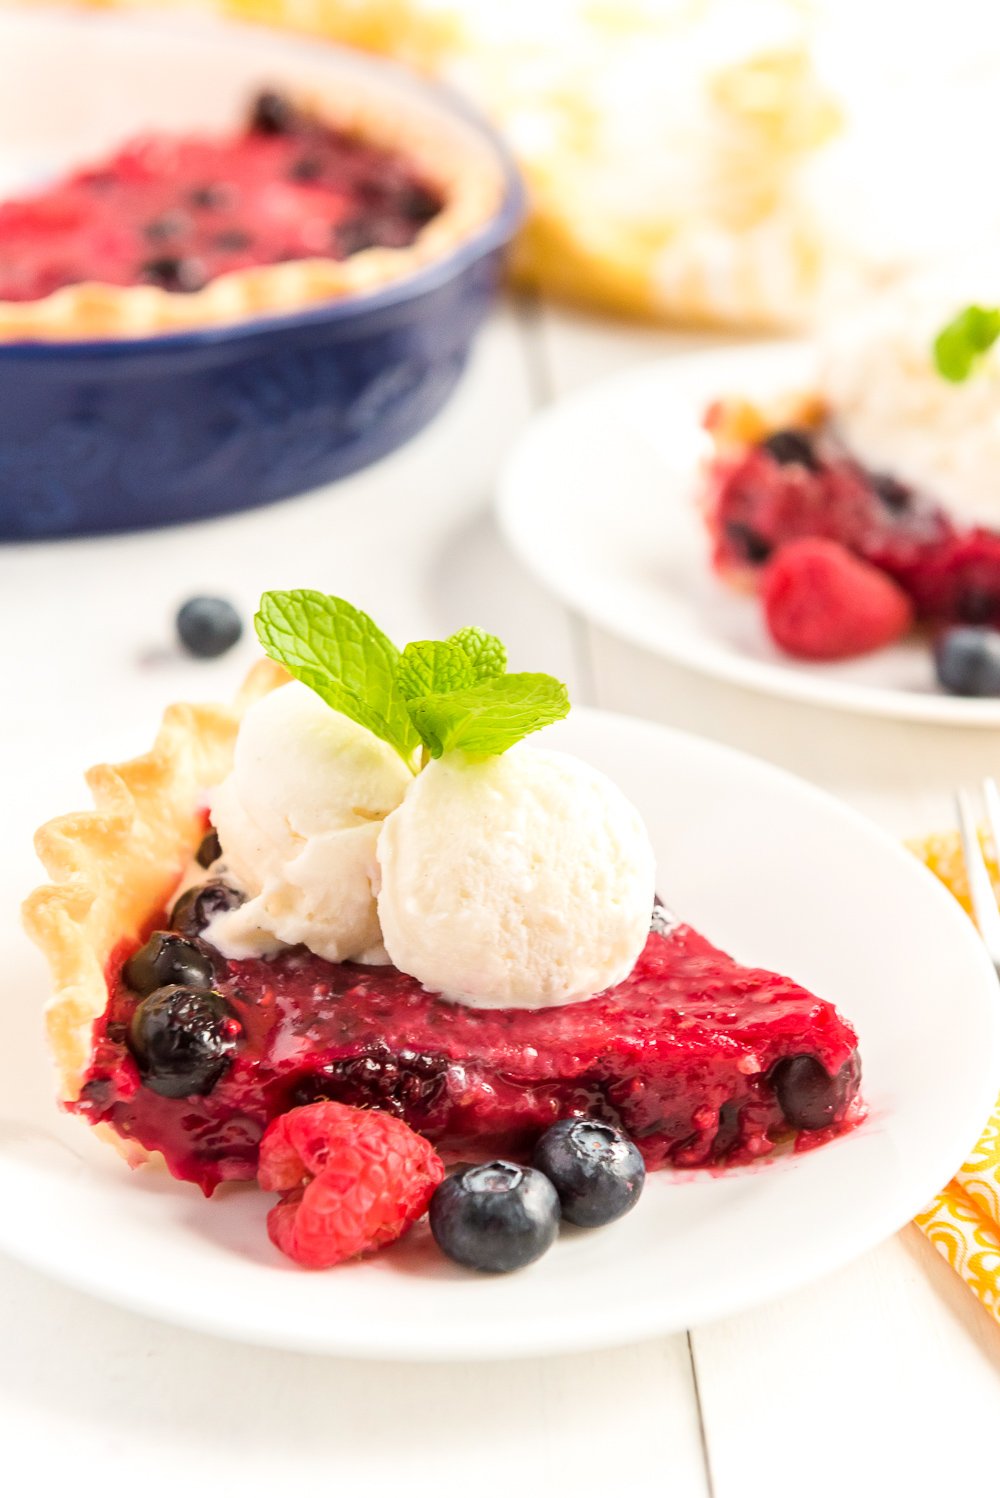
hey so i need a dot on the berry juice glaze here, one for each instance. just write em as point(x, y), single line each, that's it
point(802, 483)
point(678, 1056)
point(177, 211)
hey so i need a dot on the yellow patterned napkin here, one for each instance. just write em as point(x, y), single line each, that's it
point(963, 1221)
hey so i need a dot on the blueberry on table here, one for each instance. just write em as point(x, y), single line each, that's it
point(182, 1039)
point(967, 661)
point(201, 903)
point(597, 1172)
point(168, 958)
point(495, 1217)
point(208, 627)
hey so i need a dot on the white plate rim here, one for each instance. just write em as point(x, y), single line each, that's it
point(607, 1327)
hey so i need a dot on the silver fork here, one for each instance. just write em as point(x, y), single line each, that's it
point(984, 901)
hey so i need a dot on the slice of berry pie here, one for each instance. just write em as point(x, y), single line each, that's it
point(307, 201)
point(399, 905)
point(893, 456)
point(774, 481)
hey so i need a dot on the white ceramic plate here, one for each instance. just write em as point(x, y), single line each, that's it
point(599, 499)
point(771, 869)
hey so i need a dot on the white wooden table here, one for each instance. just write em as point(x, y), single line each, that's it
point(883, 1377)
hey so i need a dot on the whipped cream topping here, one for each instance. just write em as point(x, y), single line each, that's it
point(899, 416)
point(299, 819)
point(524, 880)
point(521, 880)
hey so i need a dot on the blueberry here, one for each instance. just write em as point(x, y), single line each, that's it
point(167, 226)
point(233, 240)
point(807, 1094)
point(967, 661)
point(352, 236)
point(168, 958)
point(598, 1173)
point(495, 1217)
point(418, 203)
point(748, 543)
point(209, 849)
point(182, 1039)
point(213, 195)
point(174, 272)
point(306, 169)
point(198, 905)
point(208, 626)
point(894, 495)
point(273, 114)
point(791, 446)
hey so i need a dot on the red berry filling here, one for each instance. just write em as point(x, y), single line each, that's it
point(351, 1181)
point(176, 211)
point(765, 495)
point(683, 1057)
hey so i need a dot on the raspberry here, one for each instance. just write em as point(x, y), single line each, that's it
point(822, 603)
point(351, 1180)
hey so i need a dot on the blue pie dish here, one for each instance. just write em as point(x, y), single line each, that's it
point(122, 434)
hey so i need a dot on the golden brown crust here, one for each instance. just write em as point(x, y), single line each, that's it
point(463, 169)
point(733, 422)
point(113, 867)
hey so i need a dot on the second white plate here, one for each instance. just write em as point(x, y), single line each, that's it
point(600, 500)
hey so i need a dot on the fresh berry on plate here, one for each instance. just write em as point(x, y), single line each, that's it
point(208, 627)
point(495, 1217)
point(822, 603)
point(351, 1181)
point(893, 457)
point(967, 661)
point(597, 1172)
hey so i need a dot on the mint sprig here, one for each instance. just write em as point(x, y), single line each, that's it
point(445, 695)
point(490, 716)
point(337, 650)
point(961, 344)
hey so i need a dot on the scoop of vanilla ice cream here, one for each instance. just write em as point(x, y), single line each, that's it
point(298, 819)
point(524, 880)
point(898, 415)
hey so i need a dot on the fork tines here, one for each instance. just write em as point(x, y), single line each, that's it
point(984, 902)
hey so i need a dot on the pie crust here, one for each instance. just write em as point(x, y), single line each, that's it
point(114, 866)
point(464, 170)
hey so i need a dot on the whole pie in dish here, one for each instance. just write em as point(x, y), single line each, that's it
point(306, 201)
point(360, 887)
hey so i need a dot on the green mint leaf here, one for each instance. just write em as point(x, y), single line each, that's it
point(427, 667)
point(342, 655)
point(490, 716)
point(959, 346)
point(486, 653)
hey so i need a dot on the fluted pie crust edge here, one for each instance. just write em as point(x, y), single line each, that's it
point(115, 866)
